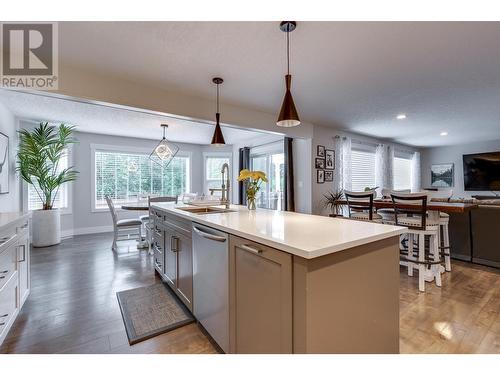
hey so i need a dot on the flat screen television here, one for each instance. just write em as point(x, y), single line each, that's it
point(482, 171)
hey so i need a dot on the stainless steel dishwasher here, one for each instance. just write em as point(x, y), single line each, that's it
point(211, 282)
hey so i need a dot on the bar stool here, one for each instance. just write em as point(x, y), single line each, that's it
point(444, 220)
point(360, 206)
point(419, 226)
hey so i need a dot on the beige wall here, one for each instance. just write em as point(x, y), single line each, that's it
point(90, 85)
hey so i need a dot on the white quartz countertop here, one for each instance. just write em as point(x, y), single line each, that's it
point(307, 236)
point(7, 218)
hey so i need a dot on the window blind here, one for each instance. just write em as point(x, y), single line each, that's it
point(402, 173)
point(127, 176)
point(362, 169)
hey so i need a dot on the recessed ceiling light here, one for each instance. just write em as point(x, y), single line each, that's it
point(443, 133)
point(401, 116)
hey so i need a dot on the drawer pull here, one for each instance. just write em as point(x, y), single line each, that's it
point(6, 271)
point(4, 315)
point(2, 277)
point(2, 324)
point(250, 249)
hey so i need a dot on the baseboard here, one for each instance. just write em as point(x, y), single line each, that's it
point(465, 258)
point(87, 230)
point(486, 262)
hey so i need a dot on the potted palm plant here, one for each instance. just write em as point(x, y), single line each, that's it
point(40, 152)
point(332, 200)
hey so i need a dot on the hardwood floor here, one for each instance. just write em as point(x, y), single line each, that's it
point(73, 307)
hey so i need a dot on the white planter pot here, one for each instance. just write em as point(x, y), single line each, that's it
point(46, 228)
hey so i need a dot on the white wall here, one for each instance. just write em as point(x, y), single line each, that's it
point(453, 154)
point(324, 136)
point(8, 126)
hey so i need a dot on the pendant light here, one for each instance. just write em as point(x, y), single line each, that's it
point(288, 116)
point(164, 151)
point(218, 138)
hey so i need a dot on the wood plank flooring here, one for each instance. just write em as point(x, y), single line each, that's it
point(73, 307)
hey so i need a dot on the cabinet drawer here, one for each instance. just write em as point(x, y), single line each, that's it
point(8, 264)
point(8, 303)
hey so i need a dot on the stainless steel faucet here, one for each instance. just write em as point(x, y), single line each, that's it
point(225, 188)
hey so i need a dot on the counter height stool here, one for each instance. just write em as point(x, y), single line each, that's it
point(444, 221)
point(360, 206)
point(419, 226)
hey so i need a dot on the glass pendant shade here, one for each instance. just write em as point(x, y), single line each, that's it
point(164, 151)
point(218, 137)
point(288, 116)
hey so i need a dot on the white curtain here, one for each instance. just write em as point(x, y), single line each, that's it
point(342, 172)
point(384, 167)
point(416, 184)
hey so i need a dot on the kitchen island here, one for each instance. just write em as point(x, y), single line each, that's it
point(283, 282)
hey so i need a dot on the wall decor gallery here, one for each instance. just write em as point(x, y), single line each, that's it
point(324, 164)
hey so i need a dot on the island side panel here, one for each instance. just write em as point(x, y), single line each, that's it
point(348, 301)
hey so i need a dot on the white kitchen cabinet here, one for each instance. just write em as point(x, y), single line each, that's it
point(260, 298)
point(14, 268)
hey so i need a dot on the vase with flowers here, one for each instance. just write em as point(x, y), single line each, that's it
point(254, 180)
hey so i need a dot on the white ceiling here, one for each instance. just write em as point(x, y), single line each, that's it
point(355, 76)
point(102, 119)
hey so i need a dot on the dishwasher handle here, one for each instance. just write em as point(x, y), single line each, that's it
point(209, 236)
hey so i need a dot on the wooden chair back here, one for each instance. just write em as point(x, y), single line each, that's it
point(360, 202)
point(403, 206)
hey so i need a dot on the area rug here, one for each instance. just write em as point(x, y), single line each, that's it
point(150, 311)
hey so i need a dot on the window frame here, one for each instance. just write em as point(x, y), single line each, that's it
point(69, 190)
point(267, 150)
point(131, 150)
point(209, 154)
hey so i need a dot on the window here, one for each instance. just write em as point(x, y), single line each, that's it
point(362, 169)
point(126, 176)
point(270, 160)
point(213, 167)
point(61, 199)
point(402, 172)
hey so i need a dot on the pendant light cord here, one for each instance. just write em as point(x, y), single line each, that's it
point(217, 98)
point(288, 49)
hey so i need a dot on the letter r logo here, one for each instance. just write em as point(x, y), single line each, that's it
point(27, 49)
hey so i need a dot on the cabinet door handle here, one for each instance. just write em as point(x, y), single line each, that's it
point(174, 244)
point(24, 253)
point(250, 249)
point(2, 324)
point(4, 315)
point(6, 271)
point(2, 277)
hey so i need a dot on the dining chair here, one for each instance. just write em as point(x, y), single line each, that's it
point(123, 225)
point(360, 206)
point(147, 220)
point(426, 261)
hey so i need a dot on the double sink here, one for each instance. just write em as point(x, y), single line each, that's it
point(204, 210)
